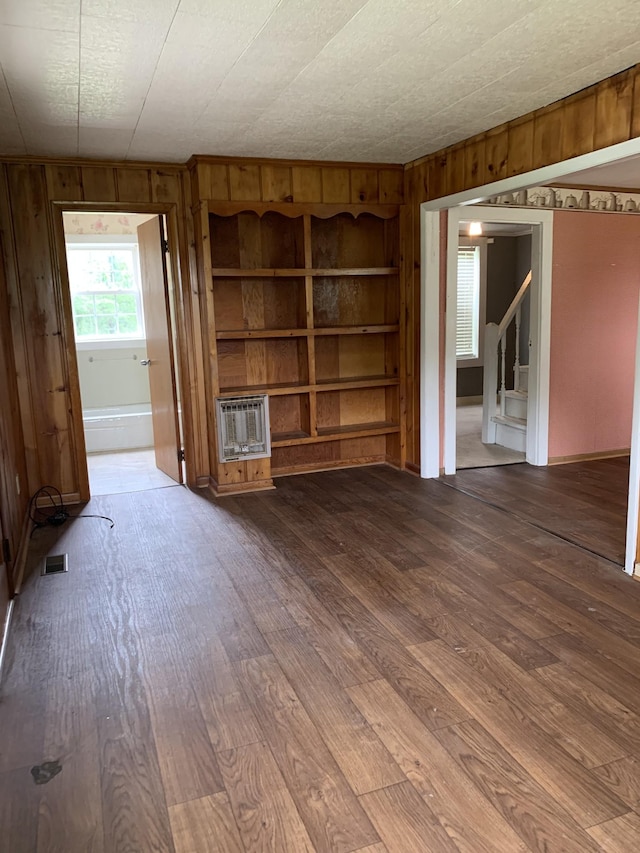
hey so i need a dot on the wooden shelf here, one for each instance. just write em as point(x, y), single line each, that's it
point(285, 439)
point(324, 385)
point(356, 382)
point(247, 334)
point(355, 330)
point(335, 434)
point(233, 272)
point(272, 390)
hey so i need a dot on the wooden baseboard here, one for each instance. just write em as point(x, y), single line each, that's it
point(5, 635)
point(203, 481)
point(221, 491)
point(589, 457)
point(313, 468)
point(412, 468)
point(21, 554)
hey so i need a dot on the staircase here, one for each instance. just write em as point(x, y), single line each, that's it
point(504, 417)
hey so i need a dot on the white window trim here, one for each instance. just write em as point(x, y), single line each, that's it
point(481, 242)
point(103, 241)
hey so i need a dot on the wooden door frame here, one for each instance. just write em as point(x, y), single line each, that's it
point(183, 336)
point(537, 448)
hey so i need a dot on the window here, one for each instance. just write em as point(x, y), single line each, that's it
point(105, 291)
point(470, 314)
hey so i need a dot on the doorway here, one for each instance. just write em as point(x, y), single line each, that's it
point(121, 296)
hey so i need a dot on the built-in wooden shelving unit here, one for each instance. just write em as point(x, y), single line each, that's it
point(303, 304)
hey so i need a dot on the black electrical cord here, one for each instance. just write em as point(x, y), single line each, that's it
point(54, 514)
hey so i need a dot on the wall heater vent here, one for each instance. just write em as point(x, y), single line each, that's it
point(243, 427)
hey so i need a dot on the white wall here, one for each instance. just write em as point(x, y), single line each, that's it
point(112, 377)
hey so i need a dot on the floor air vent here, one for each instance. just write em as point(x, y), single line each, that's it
point(243, 427)
point(55, 564)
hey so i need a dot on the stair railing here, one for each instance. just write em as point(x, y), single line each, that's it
point(495, 350)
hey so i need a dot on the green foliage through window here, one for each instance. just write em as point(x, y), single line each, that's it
point(105, 292)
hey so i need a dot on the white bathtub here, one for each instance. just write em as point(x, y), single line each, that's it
point(118, 428)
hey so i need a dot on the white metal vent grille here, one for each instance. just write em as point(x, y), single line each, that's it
point(243, 427)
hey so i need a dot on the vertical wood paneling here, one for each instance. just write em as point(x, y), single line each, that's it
point(520, 156)
point(474, 163)
point(496, 153)
point(578, 123)
point(64, 182)
point(276, 183)
point(133, 185)
point(391, 186)
point(635, 112)
point(614, 105)
point(165, 186)
point(244, 182)
point(364, 185)
point(547, 132)
point(307, 183)
point(99, 183)
point(335, 185)
point(13, 470)
point(16, 314)
point(49, 394)
point(214, 181)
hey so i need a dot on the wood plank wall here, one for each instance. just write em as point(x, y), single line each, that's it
point(248, 179)
point(13, 478)
point(601, 115)
point(43, 357)
point(218, 179)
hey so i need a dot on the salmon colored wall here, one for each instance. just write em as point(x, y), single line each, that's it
point(596, 282)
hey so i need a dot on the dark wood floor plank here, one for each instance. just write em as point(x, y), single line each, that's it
point(579, 501)
point(359, 753)
point(134, 810)
point(70, 814)
point(400, 618)
point(324, 633)
point(205, 826)
point(328, 807)
point(593, 664)
point(405, 822)
point(523, 803)
point(612, 717)
point(565, 778)
point(265, 812)
point(465, 814)
point(575, 733)
point(187, 762)
point(424, 694)
point(623, 778)
point(619, 835)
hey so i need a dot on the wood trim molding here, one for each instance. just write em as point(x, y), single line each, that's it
point(294, 209)
point(589, 457)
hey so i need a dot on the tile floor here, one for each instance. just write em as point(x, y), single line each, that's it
point(470, 451)
point(126, 471)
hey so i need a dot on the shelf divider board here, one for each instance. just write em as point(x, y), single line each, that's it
point(303, 387)
point(296, 272)
point(337, 434)
point(240, 334)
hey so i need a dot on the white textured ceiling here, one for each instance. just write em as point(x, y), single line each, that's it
point(622, 174)
point(383, 80)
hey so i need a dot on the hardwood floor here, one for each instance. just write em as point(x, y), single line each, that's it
point(356, 661)
point(584, 502)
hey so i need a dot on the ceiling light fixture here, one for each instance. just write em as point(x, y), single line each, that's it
point(475, 229)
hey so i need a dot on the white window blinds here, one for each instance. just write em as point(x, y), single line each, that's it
point(468, 311)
